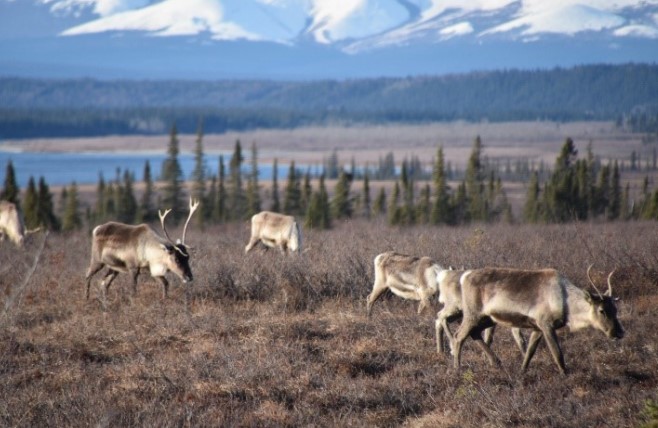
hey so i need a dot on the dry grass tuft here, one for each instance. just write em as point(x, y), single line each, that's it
point(264, 340)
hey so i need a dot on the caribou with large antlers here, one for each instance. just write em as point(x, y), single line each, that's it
point(128, 249)
point(541, 300)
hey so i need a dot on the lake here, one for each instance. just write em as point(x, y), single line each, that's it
point(85, 168)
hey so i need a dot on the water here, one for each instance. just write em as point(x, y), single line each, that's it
point(85, 168)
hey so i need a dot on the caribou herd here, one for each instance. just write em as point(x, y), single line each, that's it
point(539, 300)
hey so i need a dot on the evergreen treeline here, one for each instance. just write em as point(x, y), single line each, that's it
point(642, 119)
point(36, 107)
point(575, 189)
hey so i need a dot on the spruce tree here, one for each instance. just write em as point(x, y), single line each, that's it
point(324, 204)
point(199, 176)
point(211, 199)
point(99, 214)
point(561, 193)
point(292, 193)
point(307, 192)
point(146, 212)
point(172, 175)
point(459, 205)
point(367, 204)
point(440, 207)
point(127, 201)
point(109, 200)
point(276, 202)
point(10, 191)
point(474, 184)
point(625, 212)
point(341, 204)
point(253, 188)
point(331, 169)
point(31, 205)
point(502, 207)
point(424, 207)
point(408, 214)
point(614, 203)
point(584, 198)
point(603, 191)
point(531, 207)
point(379, 206)
point(63, 197)
point(393, 210)
point(46, 209)
point(236, 199)
point(220, 211)
point(313, 217)
point(71, 219)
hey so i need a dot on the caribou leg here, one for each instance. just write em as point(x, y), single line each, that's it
point(109, 277)
point(377, 291)
point(94, 268)
point(165, 286)
point(441, 326)
point(535, 337)
point(135, 274)
point(554, 347)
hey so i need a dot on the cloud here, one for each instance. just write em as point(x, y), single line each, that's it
point(459, 29)
point(637, 31)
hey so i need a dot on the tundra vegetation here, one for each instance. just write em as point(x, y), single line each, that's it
point(285, 341)
point(261, 339)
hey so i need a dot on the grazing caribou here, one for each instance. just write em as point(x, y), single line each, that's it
point(542, 300)
point(11, 223)
point(128, 249)
point(409, 277)
point(450, 295)
point(275, 230)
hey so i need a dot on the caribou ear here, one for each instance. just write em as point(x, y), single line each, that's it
point(167, 248)
point(588, 296)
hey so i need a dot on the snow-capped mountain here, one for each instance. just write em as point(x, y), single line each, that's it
point(101, 31)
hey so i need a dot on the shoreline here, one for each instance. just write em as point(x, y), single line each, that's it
point(365, 144)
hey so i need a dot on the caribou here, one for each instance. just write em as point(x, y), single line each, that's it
point(542, 300)
point(126, 248)
point(409, 277)
point(275, 230)
point(11, 223)
point(450, 295)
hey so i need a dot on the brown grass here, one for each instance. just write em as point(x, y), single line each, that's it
point(270, 341)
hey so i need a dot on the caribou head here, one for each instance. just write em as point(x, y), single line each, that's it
point(603, 309)
point(178, 254)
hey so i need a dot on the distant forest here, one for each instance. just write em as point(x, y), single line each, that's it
point(86, 107)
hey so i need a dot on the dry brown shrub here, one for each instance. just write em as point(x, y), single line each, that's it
point(268, 340)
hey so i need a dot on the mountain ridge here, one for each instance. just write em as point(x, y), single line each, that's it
point(77, 107)
point(311, 39)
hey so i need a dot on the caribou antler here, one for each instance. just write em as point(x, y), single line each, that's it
point(609, 292)
point(164, 229)
point(592, 282)
point(194, 204)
